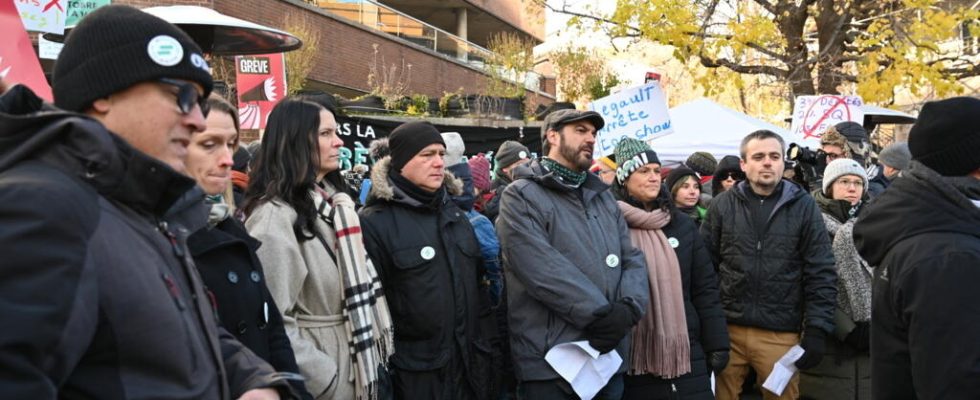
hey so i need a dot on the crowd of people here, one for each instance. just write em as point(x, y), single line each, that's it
point(149, 254)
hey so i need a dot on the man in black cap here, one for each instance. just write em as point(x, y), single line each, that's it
point(429, 262)
point(923, 234)
point(99, 297)
point(572, 272)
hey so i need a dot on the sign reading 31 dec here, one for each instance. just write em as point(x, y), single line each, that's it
point(812, 115)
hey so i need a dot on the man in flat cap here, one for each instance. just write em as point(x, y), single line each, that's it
point(572, 273)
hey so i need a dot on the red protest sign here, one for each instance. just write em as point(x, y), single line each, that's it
point(18, 63)
point(261, 84)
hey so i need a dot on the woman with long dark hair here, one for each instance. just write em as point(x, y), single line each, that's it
point(318, 271)
point(683, 336)
point(224, 253)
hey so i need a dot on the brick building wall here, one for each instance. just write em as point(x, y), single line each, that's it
point(347, 49)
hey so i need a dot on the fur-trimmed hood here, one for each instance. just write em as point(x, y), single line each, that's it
point(383, 189)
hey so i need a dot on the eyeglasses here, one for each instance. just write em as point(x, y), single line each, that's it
point(187, 96)
point(834, 156)
point(848, 183)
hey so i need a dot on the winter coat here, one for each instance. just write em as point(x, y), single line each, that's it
point(429, 263)
point(772, 277)
point(306, 284)
point(923, 236)
point(99, 297)
point(497, 186)
point(706, 326)
point(225, 257)
point(844, 371)
point(567, 253)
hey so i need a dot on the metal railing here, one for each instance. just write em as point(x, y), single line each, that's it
point(393, 22)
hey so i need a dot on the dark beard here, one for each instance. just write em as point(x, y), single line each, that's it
point(572, 155)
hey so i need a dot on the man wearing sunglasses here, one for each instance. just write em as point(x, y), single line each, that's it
point(99, 297)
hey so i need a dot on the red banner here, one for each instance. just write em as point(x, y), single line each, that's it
point(18, 63)
point(261, 84)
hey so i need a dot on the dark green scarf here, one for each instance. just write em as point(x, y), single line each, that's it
point(565, 175)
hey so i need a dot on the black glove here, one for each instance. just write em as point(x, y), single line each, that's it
point(613, 323)
point(860, 336)
point(813, 342)
point(718, 360)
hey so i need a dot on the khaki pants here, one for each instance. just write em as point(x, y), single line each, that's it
point(758, 349)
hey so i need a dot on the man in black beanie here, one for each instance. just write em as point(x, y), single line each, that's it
point(99, 297)
point(429, 262)
point(923, 234)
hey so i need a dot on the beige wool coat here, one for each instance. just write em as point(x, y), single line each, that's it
point(306, 284)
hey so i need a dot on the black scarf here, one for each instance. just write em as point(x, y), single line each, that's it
point(428, 199)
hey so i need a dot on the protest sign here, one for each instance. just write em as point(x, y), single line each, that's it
point(80, 8)
point(47, 49)
point(261, 84)
point(18, 64)
point(812, 115)
point(638, 112)
point(42, 15)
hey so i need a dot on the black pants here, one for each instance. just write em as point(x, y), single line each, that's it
point(558, 389)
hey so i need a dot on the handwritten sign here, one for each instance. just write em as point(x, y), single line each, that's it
point(812, 115)
point(42, 15)
point(18, 64)
point(80, 8)
point(261, 84)
point(639, 112)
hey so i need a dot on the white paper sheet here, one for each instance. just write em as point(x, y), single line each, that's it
point(783, 371)
point(583, 367)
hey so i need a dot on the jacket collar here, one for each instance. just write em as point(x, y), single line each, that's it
point(592, 187)
point(383, 189)
point(82, 147)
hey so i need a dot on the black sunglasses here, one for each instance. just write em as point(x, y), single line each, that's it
point(187, 97)
point(734, 175)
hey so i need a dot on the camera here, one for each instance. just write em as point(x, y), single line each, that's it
point(809, 164)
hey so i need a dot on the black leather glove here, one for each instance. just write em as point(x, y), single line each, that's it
point(860, 336)
point(813, 343)
point(613, 323)
point(718, 360)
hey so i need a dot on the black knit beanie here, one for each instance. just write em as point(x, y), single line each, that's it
point(409, 139)
point(678, 174)
point(118, 46)
point(946, 137)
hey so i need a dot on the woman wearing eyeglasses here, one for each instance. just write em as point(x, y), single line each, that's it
point(224, 253)
point(317, 268)
point(845, 370)
point(727, 174)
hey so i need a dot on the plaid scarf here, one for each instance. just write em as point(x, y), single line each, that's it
point(370, 334)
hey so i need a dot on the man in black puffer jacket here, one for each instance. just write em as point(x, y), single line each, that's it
point(776, 267)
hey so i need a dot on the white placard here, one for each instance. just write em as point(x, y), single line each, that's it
point(812, 115)
point(638, 112)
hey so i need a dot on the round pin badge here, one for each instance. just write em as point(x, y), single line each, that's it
point(612, 261)
point(165, 50)
point(522, 155)
point(428, 252)
point(673, 242)
point(198, 61)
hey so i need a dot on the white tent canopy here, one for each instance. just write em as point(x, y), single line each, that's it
point(703, 125)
